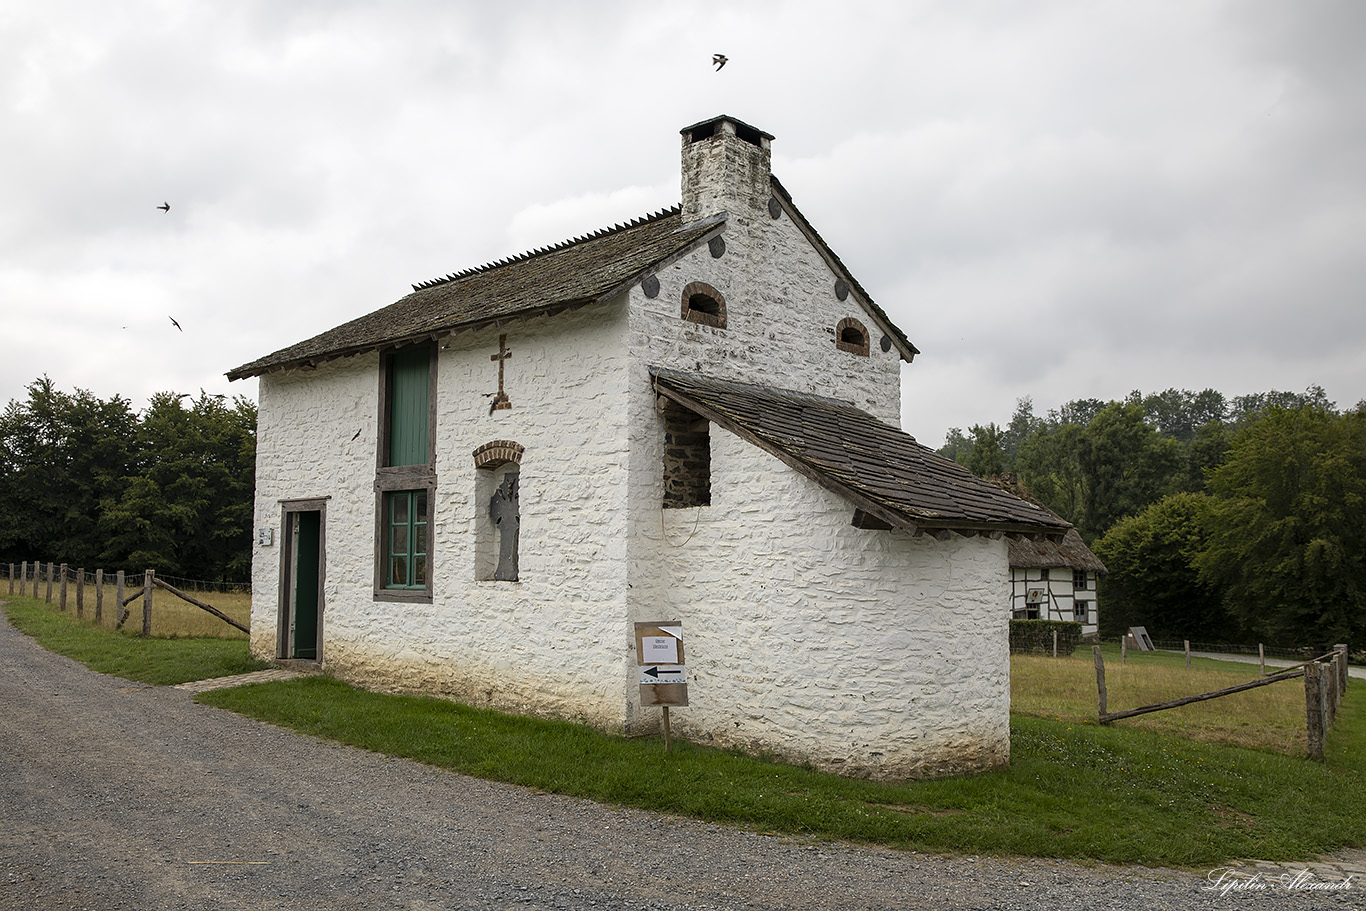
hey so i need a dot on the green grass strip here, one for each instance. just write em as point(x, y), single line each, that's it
point(1075, 791)
point(124, 653)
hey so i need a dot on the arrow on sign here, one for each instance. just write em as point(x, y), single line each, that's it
point(663, 674)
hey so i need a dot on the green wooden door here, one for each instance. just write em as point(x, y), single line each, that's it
point(306, 593)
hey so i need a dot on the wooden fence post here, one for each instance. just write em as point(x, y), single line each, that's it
point(1055, 643)
point(61, 588)
point(11, 579)
point(99, 595)
point(50, 570)
point(1341, 649)
point(121, 605)
point(1261, 657)
point(1100, 678)
point(23, 577)
point(1188, 654)
point(147, 604)
point(1123, 649)
point(80, 591)
point(1313, 708)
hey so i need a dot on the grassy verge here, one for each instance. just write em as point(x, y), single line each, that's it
point(123, 653)
point(1072, 790)
point(1064, 689)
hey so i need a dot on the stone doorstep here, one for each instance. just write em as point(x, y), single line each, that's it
point(218, 683)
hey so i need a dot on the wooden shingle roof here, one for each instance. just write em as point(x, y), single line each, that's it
point(880, 469)
point(567, 275)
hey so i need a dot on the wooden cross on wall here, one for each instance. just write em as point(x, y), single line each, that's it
point(501, 400)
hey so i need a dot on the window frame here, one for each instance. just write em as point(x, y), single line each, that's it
point(1080, 582)
point(390, 479)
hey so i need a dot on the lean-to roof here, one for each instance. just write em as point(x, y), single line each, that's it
point(880, 469)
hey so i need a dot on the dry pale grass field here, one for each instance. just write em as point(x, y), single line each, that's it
point(172, 618)
point(1268, 717)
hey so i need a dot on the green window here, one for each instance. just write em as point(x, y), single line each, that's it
point(409, 412)
point(405, 513)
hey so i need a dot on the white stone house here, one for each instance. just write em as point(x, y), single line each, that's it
point(1055, 580)
point(478, 490)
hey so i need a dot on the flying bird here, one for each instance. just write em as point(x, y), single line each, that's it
point(719, 60)
point(174, 323)
point(165, 207)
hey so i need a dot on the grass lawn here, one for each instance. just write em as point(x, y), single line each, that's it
point(1074, 789)
point(1064, 689)
point(122, 653)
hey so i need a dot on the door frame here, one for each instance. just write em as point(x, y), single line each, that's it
point(290, 510)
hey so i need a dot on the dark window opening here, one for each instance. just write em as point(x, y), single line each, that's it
point(703, 131)
point(704, 304)
point(852, 336)
point(749, 135)
point(686, 457)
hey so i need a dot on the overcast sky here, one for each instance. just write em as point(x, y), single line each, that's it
point(1053, 199)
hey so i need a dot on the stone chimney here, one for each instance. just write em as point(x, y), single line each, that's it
point(725, 169)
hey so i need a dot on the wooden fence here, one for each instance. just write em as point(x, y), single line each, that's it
point(1325, 682)
point(59, 575)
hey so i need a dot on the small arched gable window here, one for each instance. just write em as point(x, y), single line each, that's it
point(852, 336)
point(704, 304)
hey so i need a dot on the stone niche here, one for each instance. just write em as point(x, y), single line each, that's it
point(686, 455)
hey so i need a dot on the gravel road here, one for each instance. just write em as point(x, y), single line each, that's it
point(115, 795)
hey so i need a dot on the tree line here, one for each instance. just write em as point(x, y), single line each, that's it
point(1220, 520)
point(91, 482)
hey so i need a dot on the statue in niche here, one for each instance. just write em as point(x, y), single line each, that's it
point(503, 510)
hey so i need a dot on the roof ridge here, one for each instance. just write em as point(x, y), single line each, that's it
point(647, 218)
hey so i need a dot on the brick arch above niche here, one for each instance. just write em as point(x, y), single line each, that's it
point(704, 304)
point(497, 453)
point(852, 336)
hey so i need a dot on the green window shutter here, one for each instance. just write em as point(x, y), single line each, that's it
point(409, 415)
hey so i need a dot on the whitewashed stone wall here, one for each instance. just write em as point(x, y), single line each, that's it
point(871, 653)
point(864, 652)
point(780, 315)
point(555, 642)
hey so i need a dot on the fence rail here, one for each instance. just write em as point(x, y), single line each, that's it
point(1325, 682)
point(39, 580)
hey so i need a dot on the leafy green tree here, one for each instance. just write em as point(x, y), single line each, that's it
point(1246, 408)
point(1153, 581)
point(1287, 544)
point(1022, 424)
point(188, 508)
point(60, 455)
point(957, 446)
point(986, 458)
point(1126, 465)
point(1049, 468)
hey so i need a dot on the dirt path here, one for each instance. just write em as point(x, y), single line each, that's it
point(115, 795)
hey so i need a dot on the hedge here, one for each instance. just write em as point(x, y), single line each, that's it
point(1037, 636)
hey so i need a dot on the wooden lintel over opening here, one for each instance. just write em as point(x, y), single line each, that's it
point(867, 520)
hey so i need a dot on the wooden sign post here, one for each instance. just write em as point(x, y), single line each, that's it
point(663, 675)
